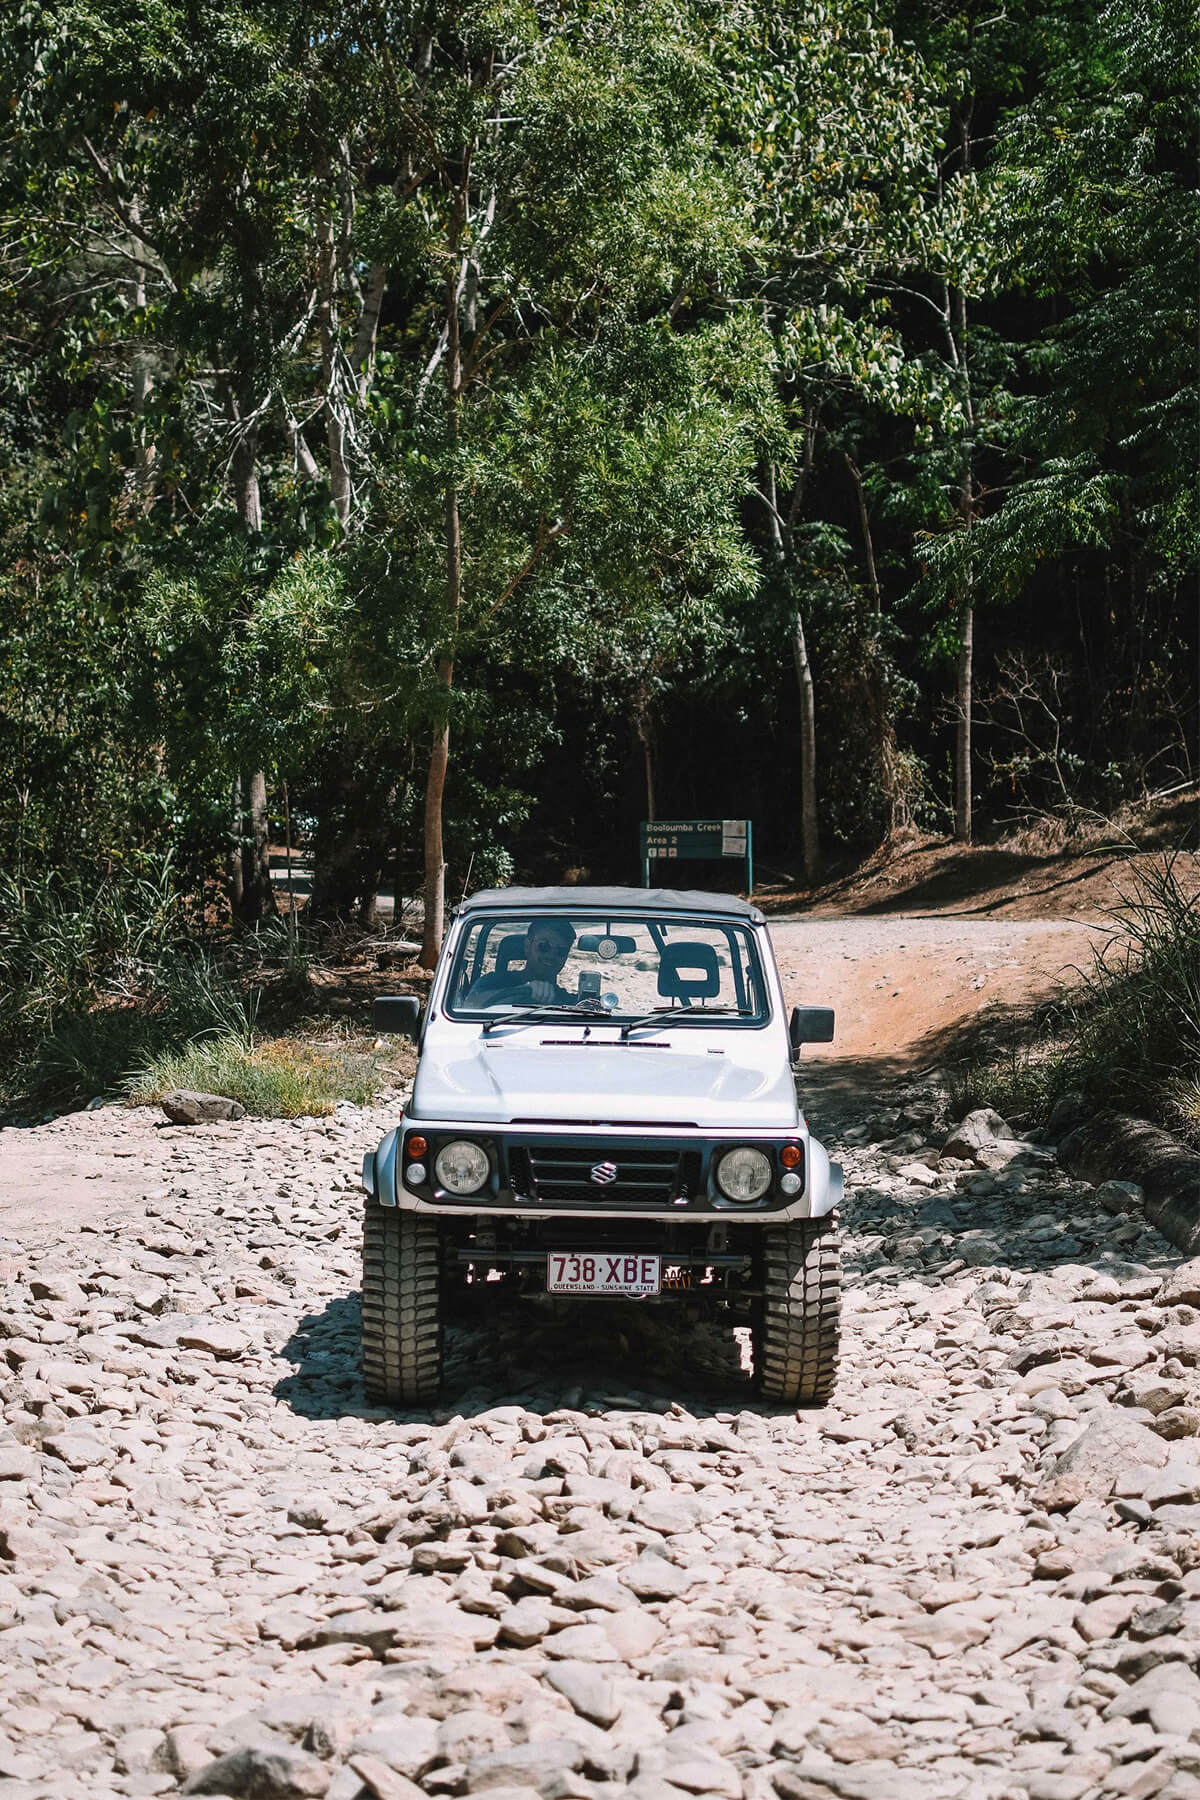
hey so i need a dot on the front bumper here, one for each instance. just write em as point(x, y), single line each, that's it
point(543, 1172)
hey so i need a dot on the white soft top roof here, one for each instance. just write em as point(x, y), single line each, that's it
point(611, 900)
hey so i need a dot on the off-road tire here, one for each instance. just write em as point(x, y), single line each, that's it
point(797, 1329)
point(401, 1307)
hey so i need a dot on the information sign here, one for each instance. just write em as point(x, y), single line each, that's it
point(696, 839)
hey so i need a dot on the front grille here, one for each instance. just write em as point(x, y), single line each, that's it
point(561, 1174)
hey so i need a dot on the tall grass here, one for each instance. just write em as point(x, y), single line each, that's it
point(102, 990)
point(280, 1079)
point(67, 943)
point(1136, 1021)
point(96, 978)
point(1128, 1035)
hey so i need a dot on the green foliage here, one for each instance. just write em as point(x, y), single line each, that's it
point(1021, 1084)
point(1065, 506)
point(699, 257)
point(1136, 1026)
point(92, 978)
point(68, 945)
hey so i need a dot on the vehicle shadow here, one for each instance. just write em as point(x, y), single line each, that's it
point(578, 1355)
point(837, 1091)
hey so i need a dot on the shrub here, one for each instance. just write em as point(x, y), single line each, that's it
point(1129, 1034)
point(65, 944)
point(1022, 1084)
point(1136, 1021)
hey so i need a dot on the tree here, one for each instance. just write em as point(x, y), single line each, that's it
point(829, 123)
point(565, 194)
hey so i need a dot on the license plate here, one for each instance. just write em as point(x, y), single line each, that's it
point(598, 1272)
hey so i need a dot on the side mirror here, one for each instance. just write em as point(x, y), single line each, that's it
point(808, 1025)
point(400, 1013)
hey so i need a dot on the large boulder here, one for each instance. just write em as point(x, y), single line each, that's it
point(262, 1772)
point(1109, 1445)
point(183, 1106)
point(1182, 1286)
point(1119, 1197)
point(1070, 1110)
point(983, 1138)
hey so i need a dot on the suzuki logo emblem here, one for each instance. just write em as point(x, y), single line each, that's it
point(603, 1173)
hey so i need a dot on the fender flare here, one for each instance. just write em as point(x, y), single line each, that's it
point(379, 1170)
point(826, 1182)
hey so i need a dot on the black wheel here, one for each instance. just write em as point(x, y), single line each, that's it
point(797, 1331)
point(401, 1307)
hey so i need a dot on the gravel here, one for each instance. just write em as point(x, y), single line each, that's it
point(600, 1568)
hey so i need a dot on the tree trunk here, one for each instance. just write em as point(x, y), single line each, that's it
point(782, 529)
point(864, 519)
point(439, 752)
point(435, 859)
point(645, 736)
point(142, 380)
point(651, 809)
point(340, 486)
point(887, 758)
point(362, 357)
point(236, 896)
point(256, 898)
point(963, 679)
point(302, 456)
point(962, 733)
point(963, 695)
point(245, 479)
point(810, 837)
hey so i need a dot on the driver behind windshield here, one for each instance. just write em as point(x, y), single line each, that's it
point(547, 945)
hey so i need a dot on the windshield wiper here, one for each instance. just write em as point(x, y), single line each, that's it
point(682, 1015)
point(531, 1015)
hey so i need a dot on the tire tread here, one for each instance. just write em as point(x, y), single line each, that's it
point(797, 1338)
point(401, 1307)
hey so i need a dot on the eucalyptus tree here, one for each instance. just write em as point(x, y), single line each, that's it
point(1052, 280)
point(126, 195)
point(829, 122)
point(972, 53)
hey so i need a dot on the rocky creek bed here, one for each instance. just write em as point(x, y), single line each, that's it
point(601, 1569)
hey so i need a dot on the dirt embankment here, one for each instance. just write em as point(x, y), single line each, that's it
point(1035, 874)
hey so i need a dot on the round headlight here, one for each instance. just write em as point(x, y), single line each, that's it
point(461, 1167)
point(744, 1175)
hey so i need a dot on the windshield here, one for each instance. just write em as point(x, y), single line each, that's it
point(617, 967)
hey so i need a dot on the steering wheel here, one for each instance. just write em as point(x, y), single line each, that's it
point(519, 994)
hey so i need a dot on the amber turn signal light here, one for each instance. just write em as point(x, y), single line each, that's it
point(791, 1156)
point(415, 1145)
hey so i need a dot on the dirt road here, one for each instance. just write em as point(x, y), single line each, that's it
point(900, 986)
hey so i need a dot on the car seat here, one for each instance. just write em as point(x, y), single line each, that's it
point(510, 951)
point(688, 972)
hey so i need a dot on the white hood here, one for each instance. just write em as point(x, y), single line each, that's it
point(736, 1083)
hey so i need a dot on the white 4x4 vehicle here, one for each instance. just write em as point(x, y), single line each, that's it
point(605, 1104)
